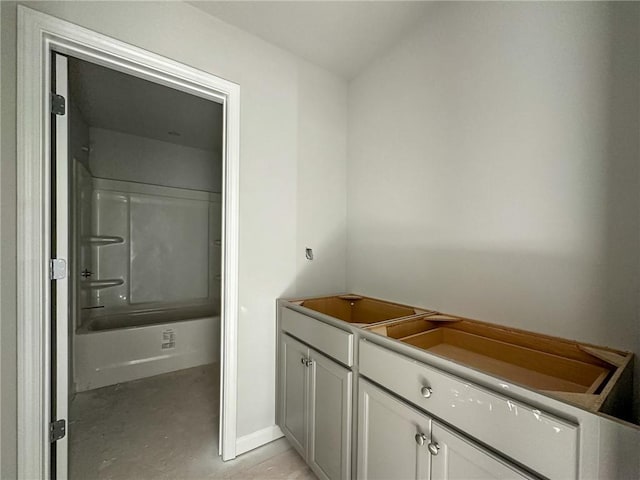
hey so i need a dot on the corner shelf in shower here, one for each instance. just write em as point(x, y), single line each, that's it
point(98, 284)
point(101, 240)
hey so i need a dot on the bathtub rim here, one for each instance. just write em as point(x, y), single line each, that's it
point(194, 310)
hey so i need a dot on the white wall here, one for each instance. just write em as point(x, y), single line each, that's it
point(493, 168)
point(322, 196)
point(275, 87)
point(120, 156)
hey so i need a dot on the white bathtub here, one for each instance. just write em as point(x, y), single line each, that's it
point(108, 352)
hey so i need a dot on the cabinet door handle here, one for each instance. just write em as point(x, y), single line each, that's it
point(434, 448)
point(303, 360)
point(426, 392)
point(420, 438)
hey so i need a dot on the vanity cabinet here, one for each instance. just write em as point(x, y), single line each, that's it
point(397, 441)
point(316, 408)
point(443, 397)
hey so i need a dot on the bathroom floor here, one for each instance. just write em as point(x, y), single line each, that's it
point(165, 427)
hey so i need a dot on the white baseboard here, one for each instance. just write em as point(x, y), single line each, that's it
point(257, 439)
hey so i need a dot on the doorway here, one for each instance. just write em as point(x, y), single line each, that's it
point(43, 272)
point(142, 167)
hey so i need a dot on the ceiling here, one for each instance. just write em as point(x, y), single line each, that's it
point(124, 103)
point(341, 36)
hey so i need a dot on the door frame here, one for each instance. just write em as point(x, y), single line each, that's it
point(39, 35)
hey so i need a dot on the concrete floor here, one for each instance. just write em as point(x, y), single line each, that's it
point(165, 427)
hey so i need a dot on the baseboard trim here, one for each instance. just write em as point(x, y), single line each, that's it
point(257, 439)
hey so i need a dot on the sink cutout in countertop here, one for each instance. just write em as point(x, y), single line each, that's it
point(569, 370)
point(359, 310)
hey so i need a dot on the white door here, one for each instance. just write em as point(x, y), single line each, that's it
point(392, 437)
point(457, 458)
point(60, 282)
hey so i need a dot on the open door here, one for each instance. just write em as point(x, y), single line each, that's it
point(59, 271)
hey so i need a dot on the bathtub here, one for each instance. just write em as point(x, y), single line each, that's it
point(117, 348)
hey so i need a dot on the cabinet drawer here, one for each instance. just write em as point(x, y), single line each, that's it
point(533, 438)
point(327, 339)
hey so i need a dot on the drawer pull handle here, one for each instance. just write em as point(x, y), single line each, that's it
point(434, 448)
point(421, 438)
point(426, 392)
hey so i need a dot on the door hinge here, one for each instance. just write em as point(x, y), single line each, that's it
point(57, 430)
point(58, 104)
point(58, 269)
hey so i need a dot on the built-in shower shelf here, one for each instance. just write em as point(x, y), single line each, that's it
point(100, 240)
point(98, 284)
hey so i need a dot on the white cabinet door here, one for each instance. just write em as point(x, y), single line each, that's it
point(392, 437)
point(294, 385)
point(329, 418)
point(454, 457)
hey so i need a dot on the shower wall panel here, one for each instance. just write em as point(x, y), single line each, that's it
point(110, 217)
point(169, 249)
point(81, 226)
point(158, 246)
point(83, 218)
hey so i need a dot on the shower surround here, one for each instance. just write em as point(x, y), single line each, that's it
point(148, 291)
